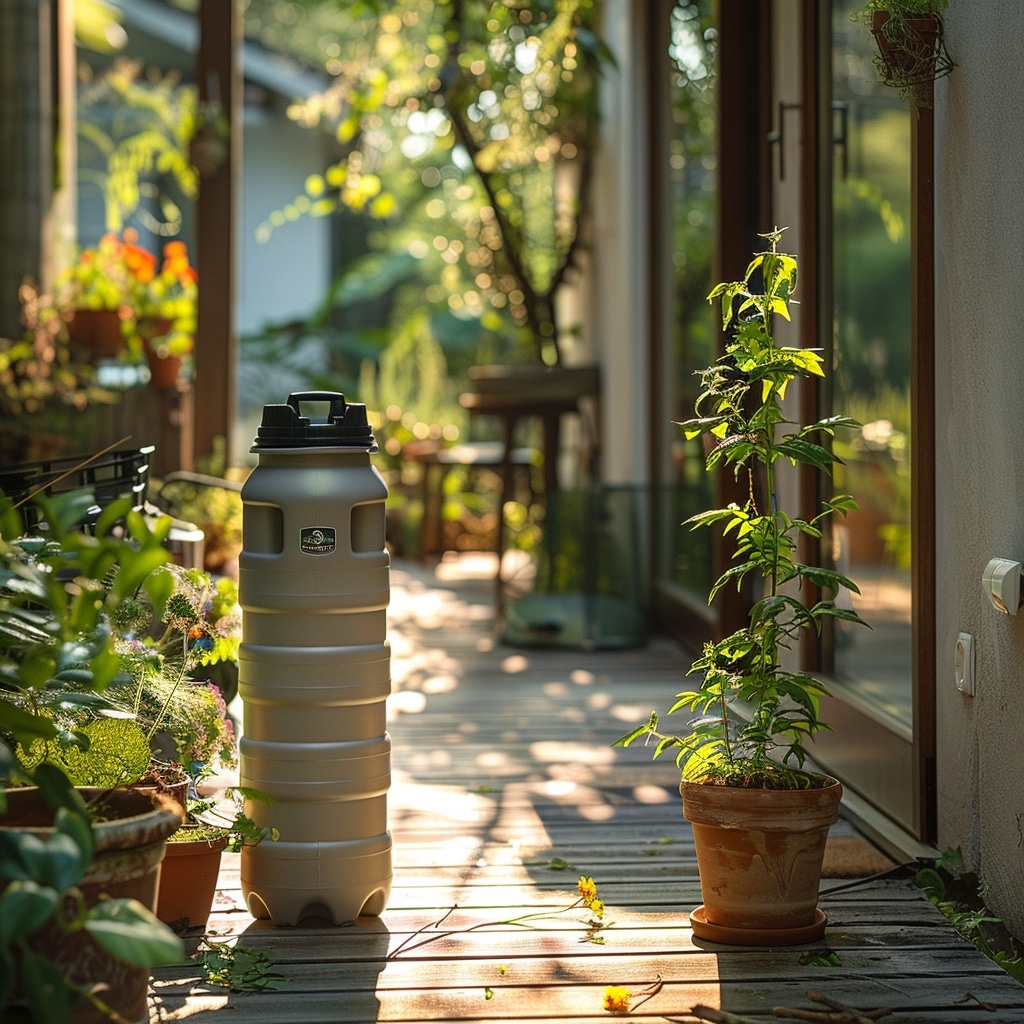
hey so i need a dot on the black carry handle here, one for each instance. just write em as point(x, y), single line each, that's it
point(335, 398)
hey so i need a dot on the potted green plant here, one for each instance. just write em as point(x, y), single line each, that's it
point(155, 726)
point(760, 819)
point(47, 392)
point(164, 304)
point(122, 296)
point(78, 867)
point(166, 684)
point(188, 879)
point(911, 47)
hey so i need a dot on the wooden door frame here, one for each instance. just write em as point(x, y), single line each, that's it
point(743, 209)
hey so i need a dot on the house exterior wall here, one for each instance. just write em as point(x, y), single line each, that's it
point(288, 275)
point(619, 319)
point(979, 278)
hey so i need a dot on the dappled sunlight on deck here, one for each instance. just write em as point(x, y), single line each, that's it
point(505, 790)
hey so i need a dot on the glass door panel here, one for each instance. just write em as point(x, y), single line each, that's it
point(684, 225)
point(871, 378)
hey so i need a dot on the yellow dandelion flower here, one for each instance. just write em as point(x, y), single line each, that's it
point(596, 907)
point(616, 999)
point(587, 888)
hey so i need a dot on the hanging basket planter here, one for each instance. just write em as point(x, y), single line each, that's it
point(98, 331)
point(911, 53)
point(165, 366)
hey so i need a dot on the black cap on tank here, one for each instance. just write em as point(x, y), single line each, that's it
point(344, 426)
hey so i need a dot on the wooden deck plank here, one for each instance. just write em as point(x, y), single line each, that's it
point(912, 1000)
point(506, 789)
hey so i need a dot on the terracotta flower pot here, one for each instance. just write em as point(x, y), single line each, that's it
point(129, 847)
point(98, 330)
point(164, 369)
point(188, 882)
point(169, 780)
point(759, 854)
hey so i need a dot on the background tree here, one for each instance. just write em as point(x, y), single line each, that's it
point(468, 129)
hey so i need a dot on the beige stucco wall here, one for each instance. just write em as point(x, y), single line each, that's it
point(618, 319)
point(979, 392)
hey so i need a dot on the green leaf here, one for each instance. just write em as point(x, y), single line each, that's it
point(843, 503)
point(827, 579)
point(827, 609)
point(634, 734)
point(64, 511)
point(63, 864)
point(77, 826)
point(130, 932)
point(133, 572)
point(113, 513)
point(932, 883)
point(24, 907)
point(806, 452)
point(43, 982)
point(24, 726)
point(25, 857)
point(713, 516)
point(667, 743)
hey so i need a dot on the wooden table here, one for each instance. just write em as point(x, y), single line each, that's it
point(514, 393)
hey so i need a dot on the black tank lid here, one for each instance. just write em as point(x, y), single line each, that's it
point(344, 426)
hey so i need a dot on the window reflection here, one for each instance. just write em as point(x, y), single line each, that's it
point(690, 177)
point(871, 372)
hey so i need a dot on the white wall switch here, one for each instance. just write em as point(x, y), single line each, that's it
point(963, 664)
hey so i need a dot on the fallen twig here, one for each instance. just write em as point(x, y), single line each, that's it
point(709, 1013)
point(837, 1013)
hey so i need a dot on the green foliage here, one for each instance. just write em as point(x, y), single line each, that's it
point(474, 119)
point(85, 685)
point(56, 591)
point(116, 752)
point(239, 968)
point(960, 897)
point(59, 667)
point(208, 819)
point(908, 60)
point(901, 8)
point(134, 132)
point(40, 879)
point(201, 625)
point(44, 389)
point(753, 716)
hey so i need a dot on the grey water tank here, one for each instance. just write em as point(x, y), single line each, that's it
point(314, 664)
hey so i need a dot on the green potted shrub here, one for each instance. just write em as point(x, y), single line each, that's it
point(166, 682)
point(78, 866)
point(743, 784)
point(911, 47)
point(155, 725)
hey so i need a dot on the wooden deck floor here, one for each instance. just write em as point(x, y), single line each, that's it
point(505, 790)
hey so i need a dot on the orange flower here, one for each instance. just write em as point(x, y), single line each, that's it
point(120, 274)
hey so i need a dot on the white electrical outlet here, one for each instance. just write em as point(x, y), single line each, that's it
point(963, 664)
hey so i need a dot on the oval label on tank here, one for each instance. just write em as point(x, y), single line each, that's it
point(318, 540)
